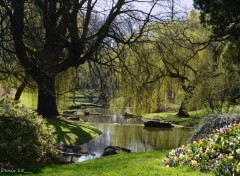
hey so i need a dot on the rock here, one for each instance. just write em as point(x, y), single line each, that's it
point(69, 111)
point(86, 113)
point(71, 154)
point(126, 114)
point(69, 148)
point(159, 124)
point(112, 150)
point(73, 118)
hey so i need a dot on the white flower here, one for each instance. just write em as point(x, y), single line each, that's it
point(181, 156)
point(238, 152)
point(194, 163)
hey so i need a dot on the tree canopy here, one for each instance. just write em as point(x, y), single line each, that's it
point(222, 15)
point(49, 36)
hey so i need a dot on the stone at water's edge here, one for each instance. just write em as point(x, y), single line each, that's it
point(112, 150)
point(159, 124)
point(68, 152)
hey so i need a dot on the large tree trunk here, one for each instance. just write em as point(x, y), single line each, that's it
point(47, 104)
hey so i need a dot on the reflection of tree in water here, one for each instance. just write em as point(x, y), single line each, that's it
point(137, 138)
point(159, 139)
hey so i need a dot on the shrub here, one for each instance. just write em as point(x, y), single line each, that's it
point(24, 138)
point(214, 121)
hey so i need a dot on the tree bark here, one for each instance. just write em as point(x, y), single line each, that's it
point(47, 104)
point(182, 111)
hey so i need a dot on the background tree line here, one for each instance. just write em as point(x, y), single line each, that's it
point(147, 61)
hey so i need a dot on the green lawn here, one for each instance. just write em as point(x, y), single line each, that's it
point(126, 164)
point(71, 132)
point(193, 120)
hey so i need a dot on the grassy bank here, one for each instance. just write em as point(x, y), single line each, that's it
point(194, 118)
point(69, 132)
point(133, 164)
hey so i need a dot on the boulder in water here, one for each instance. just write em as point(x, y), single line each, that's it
point(157, 123)
point(113, 150)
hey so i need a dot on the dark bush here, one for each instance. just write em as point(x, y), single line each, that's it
point(24, 138)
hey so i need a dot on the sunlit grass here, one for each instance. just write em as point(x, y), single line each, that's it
point(68, 132)
point(194, 118)
point(29, 99)
point(125, 164)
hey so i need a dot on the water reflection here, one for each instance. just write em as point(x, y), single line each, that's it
point(111, 119)
point(117, 130)
point(136, 138)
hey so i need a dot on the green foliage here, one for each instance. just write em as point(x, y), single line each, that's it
point(217, 92)
point(232, 56)
point(24, 138)
point(224, 18)
point(222, 15)
point(218, 152)
point(167, 71)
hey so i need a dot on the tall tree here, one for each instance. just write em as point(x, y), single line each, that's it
point(224, 18)
point(51, 36)
point(222, 15)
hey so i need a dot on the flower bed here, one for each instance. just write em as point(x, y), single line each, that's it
point(218, 152)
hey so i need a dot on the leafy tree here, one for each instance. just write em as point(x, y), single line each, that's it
point(186, 49)
point(12, 73)
point(168, 66)
point(50, 36)
point(222, 15)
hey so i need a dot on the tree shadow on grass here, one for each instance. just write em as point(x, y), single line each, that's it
point(66, 132)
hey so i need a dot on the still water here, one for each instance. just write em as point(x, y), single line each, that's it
point(130, 133)
point(118, 130)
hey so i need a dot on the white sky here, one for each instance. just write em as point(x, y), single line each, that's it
point(187, 3)
point(179, 4)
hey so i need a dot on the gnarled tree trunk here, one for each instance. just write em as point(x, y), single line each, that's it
point(47, 103)
point(182, 112)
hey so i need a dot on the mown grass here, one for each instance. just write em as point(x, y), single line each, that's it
point(125, 164)
point(194, 119)
point(69, 132)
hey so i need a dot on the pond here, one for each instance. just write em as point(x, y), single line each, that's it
point(130, 133)
point(123, 131)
